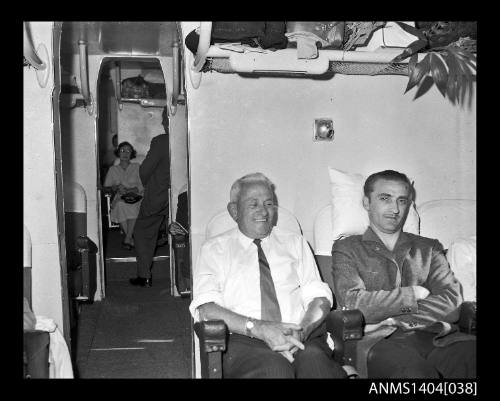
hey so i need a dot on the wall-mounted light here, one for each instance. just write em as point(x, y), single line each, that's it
point(323, 129)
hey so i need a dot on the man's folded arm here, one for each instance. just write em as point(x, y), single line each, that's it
point(445, 296)
point(376, 306)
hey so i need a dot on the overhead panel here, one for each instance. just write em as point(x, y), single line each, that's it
point(120, 38)
point(135, 38)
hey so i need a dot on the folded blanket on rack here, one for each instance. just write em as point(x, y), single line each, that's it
point(307, 47)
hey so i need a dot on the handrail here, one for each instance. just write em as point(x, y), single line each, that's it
point(175, 76)
point(84, 76)
point(118, 83)
point(29, 49)
point(203, 45)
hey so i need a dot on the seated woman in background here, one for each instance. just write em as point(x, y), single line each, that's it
point(122, 179)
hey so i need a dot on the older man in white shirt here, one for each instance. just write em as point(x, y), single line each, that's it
point(264, 283)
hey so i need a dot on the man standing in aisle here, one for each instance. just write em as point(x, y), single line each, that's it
point(155, 176)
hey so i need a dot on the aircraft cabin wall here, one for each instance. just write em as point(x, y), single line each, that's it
point(39, 185)
point(239, 125)
point(78, 137)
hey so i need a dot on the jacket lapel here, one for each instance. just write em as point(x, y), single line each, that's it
point(397, 257)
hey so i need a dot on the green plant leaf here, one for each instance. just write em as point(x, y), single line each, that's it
point(438, 72)
point(466, 54)
point(451, 87)
point(471, 66)
point(463, 57)
point(463, 91)
point(411, 49)
point(466, 61)
point(471, 91)
point(412, 30)
point(424, 87)
point(460, 79)
point(451, 90)
point(419, 71)
point(461, 82)
point(467, 85)
point(464, 75)
point(412, 63)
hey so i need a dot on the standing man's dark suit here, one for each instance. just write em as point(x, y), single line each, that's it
point(155, 176)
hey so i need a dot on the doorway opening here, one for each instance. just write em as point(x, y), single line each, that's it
point(131, 99)
point(87, 130)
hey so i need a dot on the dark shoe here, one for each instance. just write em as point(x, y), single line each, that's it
point(142, 281)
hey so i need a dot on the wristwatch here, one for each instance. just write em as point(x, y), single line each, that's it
point(249, 325)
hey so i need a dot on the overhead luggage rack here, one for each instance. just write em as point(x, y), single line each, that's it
point(225, 58)
point(145, 102)
point(223, 65)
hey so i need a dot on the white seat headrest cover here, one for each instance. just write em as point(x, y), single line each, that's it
point(223, 222)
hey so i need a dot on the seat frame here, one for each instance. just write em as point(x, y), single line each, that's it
point(346, 327)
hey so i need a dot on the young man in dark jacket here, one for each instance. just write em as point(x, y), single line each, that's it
point(403, 285)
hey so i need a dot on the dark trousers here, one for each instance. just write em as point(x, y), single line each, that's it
point(251, 358)
point(145, 239)
point(412, 354)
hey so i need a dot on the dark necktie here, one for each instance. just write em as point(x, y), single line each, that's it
point(269, 301)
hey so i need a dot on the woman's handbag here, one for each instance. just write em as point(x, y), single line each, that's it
point(131, 198)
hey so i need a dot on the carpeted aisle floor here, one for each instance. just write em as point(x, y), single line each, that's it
point(135, 332)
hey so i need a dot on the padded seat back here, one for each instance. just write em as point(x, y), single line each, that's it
point(453, 223)
point(448, 219)
point(75, 221)
point(35, 342)
point(223, 222)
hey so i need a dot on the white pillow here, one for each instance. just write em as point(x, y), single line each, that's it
point(349, 217)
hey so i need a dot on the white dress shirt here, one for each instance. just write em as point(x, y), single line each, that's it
point(227, 273)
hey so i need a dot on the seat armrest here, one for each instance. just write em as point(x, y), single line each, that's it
point(212, 335)
point(345, 326)
point(467, 319)
point(36, 354)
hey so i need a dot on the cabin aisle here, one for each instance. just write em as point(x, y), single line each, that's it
point(135, 332)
